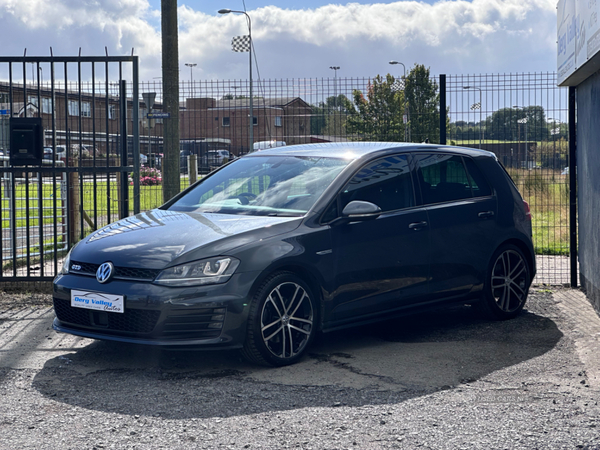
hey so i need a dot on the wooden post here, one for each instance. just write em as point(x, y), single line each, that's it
point(193, 168)
point(74, 203)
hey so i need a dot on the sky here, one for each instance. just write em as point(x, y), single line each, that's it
point(296, 39)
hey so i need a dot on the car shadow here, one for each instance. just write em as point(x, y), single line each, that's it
point(403, 358)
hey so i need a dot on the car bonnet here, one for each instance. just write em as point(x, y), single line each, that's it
point(158, 238)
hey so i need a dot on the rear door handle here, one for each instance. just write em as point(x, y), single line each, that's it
point(418, 226)
point(486, 214)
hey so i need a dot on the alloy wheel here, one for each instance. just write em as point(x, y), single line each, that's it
point(286, 320)
point(510, 279)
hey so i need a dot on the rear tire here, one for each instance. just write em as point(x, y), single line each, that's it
point(506, 285)
point(282, 321)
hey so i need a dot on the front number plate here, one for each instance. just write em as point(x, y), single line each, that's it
point(98, 301)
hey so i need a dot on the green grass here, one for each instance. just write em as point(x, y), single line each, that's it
point(150, 197)
point(545, 190)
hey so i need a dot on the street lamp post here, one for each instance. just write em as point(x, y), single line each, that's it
point(524, 120)
point(191, 66)
point(251, 106)
point(406, 109)
point(335, 69)
point(480, 108)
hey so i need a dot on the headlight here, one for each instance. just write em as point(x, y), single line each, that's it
point(207, 271)
point(66, 264)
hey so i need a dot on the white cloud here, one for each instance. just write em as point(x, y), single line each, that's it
point(479, 36)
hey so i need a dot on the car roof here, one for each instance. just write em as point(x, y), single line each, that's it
point(356, 150)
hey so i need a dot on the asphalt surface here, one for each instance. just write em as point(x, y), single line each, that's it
point(443, 380)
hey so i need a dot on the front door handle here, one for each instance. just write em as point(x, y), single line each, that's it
point(486, 214)
point(418, 226)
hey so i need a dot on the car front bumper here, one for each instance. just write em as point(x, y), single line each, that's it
point(205, 316)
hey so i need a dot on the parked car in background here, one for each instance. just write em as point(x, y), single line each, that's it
point(280, 244)
point(183, 160)
point(261, 145)
point(59, 155)
point(48, 153)
point(214, 158)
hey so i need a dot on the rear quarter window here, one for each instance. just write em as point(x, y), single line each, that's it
point(479, 184)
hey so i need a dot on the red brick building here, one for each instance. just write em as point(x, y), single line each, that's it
point(281, 119)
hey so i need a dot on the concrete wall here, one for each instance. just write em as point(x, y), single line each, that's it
point(588, 179)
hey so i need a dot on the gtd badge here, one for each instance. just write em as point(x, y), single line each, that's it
point(104, 272)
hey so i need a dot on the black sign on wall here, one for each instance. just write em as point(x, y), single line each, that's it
point(26, 141)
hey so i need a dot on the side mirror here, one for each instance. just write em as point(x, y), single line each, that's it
point(358, 210)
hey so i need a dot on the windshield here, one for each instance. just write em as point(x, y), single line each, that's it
point(268, 185)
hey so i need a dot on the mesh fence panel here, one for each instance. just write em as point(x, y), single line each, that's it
point(522, 118)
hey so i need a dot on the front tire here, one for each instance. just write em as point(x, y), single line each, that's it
point(282, 321)
point(507, 284)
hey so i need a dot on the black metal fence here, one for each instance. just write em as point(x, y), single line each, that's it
point(522, 118)
point(78, 181)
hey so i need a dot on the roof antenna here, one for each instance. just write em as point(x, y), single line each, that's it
point(25, 52)
point(51, 53)
point(80, 52)
point(106, 51)
point(132, 49)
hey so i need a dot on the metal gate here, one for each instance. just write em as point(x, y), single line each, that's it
point(87, 175)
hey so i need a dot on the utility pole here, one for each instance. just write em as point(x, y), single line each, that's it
point(170, 81)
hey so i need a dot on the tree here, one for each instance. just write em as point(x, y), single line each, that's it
point(423, 105)
point(337, 111)
point(379, 115)
point(329, 117)
point(518, 124)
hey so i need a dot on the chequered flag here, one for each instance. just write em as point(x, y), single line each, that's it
point(475, 106)
point(240, 44)
point(398, 85)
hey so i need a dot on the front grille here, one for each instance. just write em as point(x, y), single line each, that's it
point(132, 320)
point(129, 273)
point(202, 323)
point(121, 273)
point(84, 268)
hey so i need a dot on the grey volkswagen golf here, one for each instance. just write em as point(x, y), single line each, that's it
point(283, 243)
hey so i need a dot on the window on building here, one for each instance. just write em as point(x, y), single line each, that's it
point(73, 108)
point(255, 121)
point(47, 105)
point(226, 122)
point(33, 99)
point(278, 121)
point(86, 109)
point(112, 112)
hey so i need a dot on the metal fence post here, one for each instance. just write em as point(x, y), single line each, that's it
point(124, 206)
point(136, 137)
point(573, 184)
point(443, 109)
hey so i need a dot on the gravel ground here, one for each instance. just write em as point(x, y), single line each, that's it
point(443, 380)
